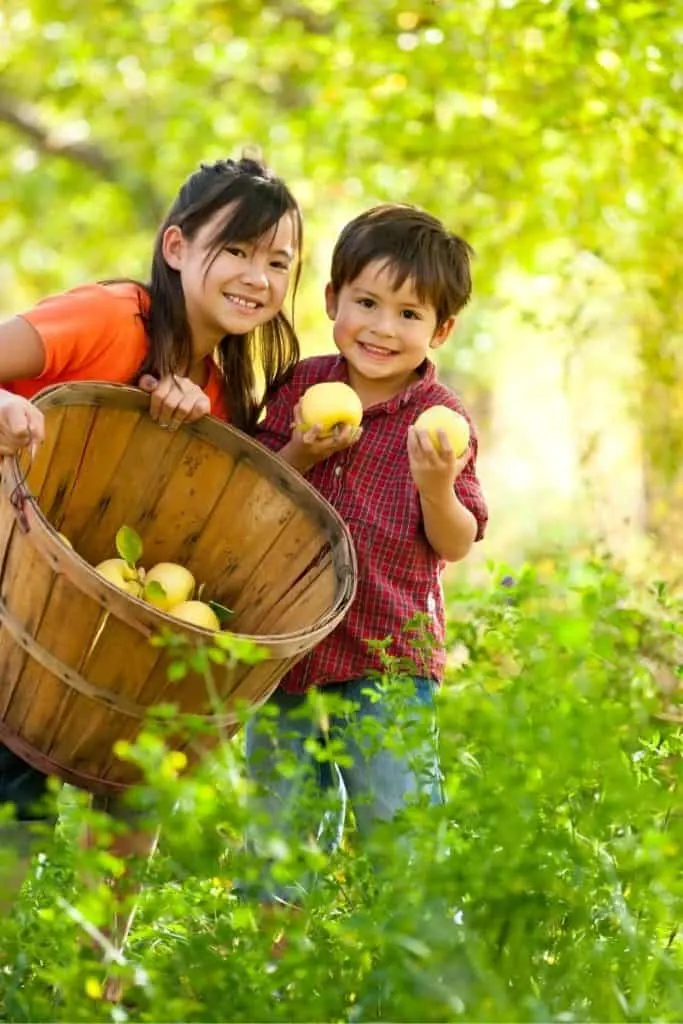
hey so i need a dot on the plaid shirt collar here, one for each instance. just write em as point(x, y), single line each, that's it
point(427, 376)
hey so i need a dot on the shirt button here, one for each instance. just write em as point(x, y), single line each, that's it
point(337, 471)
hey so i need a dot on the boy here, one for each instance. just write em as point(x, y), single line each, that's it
point(398, 280)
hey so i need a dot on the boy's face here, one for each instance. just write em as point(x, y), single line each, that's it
point(384, 333)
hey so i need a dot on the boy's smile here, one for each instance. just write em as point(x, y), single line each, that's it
point(383, 332)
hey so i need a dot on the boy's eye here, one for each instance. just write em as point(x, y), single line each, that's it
point(366, 303)
point(411, 314)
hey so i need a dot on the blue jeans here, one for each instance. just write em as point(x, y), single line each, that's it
point(359, 765)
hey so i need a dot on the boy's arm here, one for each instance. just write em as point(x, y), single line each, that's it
point(450, 525)
point(454, 516)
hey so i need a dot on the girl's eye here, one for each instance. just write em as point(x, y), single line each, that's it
point(235, 250)
point(280, 265)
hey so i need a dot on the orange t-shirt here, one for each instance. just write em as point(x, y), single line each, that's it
point(95, 332)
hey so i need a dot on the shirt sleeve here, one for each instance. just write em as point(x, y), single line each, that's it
point(467, 487)
point(469, 493)
point(275, 429)
point(73, 327)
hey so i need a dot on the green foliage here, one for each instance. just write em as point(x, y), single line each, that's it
point(548, 887)
point(471, 108)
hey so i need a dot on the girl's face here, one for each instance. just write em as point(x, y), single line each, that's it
point(237, 289)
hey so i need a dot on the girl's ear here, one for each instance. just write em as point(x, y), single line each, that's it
point(331, 302)
point(441, 333)
point(173, 246)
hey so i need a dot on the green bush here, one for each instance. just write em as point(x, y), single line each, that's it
point(547, 888)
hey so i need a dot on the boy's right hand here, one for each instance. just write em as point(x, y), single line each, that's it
point(21, 424)
point(307, 447)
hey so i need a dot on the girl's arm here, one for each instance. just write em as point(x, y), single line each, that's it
point(22, 353)
point(22, 356)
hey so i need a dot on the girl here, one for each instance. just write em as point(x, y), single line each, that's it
point(210, 316)
point(195, 337)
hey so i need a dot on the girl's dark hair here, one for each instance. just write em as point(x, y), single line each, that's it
point(413, 245)
point(260, 199)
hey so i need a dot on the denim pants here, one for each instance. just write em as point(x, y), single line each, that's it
point(360, 767)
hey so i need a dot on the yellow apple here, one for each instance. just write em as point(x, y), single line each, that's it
point(118, 572)
point(454, 426)
point(64, 539)
point(197, 613)
point(328, 405)
point(176, 580)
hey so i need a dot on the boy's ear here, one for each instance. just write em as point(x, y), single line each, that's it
point(173, 246)
point(441, 333)
point(331, 303)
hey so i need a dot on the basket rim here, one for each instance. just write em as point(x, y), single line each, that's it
point(212, 430)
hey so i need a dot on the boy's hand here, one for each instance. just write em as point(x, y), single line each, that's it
point(306, 448)
point(434, 470)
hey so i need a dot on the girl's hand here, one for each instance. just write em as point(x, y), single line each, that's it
point(21, 424)
point(434, 470)
point(174, 400)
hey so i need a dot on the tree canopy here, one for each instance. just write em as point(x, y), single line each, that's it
point(536, 129)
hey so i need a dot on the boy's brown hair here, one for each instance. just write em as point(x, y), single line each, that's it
point(413, 245)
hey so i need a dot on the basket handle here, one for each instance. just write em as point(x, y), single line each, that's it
point(19, 494)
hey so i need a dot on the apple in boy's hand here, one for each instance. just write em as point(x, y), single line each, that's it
point(329, 405)
point(454, 426)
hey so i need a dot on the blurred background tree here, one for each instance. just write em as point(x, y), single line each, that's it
point(545, 131)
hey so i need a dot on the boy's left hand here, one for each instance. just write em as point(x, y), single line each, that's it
point(433, 469)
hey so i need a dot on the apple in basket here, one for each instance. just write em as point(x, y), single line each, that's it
point(451, 423)
point(175, 585)
point(329, 405)
point(118, 572)
point(197, 613)
point(167, 586)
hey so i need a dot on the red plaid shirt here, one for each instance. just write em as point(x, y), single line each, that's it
point(371, 487)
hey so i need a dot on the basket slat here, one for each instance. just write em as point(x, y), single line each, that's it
point(82, 722)
point(50, 694)
point(134, 489)
point(65, 464)
point(257, 519)
point(108, 444)
point(25, 591)
point(41, 463)
point(185, 504)
point(297, 547)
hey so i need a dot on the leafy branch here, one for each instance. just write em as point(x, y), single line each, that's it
point(25, 119)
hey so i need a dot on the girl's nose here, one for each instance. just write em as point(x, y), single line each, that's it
point(255, 274)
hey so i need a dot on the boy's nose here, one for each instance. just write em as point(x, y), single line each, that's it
point(384, 325)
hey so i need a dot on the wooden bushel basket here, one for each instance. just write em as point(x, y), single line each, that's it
point(77, 669)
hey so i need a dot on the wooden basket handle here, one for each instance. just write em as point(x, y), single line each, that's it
point(19, 494)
